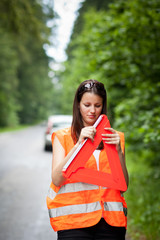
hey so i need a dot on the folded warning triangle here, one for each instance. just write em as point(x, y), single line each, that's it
point(74, 169)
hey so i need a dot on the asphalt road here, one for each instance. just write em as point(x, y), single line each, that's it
point(25, 175)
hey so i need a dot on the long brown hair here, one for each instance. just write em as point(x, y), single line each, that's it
point(87, 86)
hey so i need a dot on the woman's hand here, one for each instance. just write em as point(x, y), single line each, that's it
point(112, 138)
point(87, 132)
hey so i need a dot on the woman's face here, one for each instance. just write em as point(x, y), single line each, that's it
point(90, 108)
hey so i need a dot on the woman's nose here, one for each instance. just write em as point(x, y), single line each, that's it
point(92, 109)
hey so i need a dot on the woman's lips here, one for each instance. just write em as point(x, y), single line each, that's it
point(91, 116)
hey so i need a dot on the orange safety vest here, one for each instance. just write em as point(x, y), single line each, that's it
point(77, 204)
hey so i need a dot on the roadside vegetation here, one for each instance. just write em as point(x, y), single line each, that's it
point(26, 89)
point(11, 129)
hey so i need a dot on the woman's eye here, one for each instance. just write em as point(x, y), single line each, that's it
point(86, 105)
point(98, 106)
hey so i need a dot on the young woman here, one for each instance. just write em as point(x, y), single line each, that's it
point(79, 210)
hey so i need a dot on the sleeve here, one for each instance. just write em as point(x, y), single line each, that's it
point(60, 137)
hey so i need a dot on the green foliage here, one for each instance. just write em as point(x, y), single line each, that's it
point(120, 47)
point(143, 198)
point(80, 21)
point(26, 89)
point(9, 82)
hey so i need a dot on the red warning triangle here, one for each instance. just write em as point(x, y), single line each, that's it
point(74, 169)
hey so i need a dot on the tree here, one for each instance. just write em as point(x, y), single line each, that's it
point(8, 81)
point(120, 47)
point(25, 25)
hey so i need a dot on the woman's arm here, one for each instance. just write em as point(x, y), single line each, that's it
point(59, 159)
point(123, 164)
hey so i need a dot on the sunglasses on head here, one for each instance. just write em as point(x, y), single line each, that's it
point(90, 85)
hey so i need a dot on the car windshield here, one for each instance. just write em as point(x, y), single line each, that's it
point(61, 124)
point(60, 121)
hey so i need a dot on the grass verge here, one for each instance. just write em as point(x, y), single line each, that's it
point(143, 198)
point(16, 128)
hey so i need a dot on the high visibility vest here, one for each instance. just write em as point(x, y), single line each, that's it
point(77, 204)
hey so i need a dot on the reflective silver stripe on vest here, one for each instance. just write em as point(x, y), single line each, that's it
point(72, 187)
point(113, 206)
point(74, 209)
point(51, 193)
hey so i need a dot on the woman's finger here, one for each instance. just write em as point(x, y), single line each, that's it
point(110, 135)
point(110, 129)
point(111, 142)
